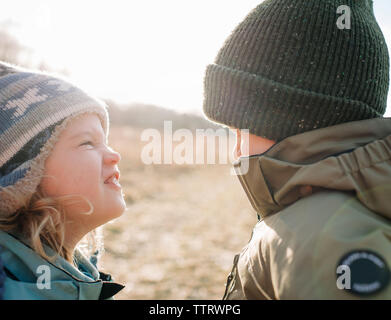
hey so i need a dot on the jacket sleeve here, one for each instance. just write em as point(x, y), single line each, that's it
point(352, 257)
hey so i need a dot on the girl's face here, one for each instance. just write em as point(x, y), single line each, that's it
point(81, 163)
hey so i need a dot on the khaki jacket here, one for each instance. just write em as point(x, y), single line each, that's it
point(331, 240)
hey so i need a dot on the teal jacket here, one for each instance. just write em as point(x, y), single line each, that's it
point(28, 276)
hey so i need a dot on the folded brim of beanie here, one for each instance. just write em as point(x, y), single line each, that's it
point(271, 109)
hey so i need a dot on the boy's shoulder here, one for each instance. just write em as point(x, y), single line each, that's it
point(304, 244)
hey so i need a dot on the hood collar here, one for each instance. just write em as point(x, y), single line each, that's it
point(351, 157)
point(22, 263)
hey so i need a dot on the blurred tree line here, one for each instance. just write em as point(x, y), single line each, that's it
point(10, 48)
point(150, 116)
point(12, 51)
point(137, 114)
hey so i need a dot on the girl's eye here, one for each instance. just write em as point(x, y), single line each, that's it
point(87, 143)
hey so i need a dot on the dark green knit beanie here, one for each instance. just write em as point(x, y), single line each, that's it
point(288, 68)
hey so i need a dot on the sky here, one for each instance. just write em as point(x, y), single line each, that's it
point(148, 51)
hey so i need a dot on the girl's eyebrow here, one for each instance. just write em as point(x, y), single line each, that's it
point(94, 133)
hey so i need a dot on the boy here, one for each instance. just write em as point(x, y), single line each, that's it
point(309, 80)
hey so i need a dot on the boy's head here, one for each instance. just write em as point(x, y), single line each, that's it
point(288, 68)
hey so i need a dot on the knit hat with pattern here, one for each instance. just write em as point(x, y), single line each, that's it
point(35, 107)
point(289, 68)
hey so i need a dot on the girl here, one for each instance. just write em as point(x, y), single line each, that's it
point(59, 181)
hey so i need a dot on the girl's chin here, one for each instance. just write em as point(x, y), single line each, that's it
point(118, 207)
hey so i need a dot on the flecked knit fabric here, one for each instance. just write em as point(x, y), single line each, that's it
point(34, 109)
point(287, 68)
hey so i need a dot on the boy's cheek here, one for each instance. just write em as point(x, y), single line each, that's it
point(244, 149)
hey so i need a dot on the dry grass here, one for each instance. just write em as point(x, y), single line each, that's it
point(182, 228)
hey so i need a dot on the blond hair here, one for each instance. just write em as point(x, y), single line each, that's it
point(41, 221)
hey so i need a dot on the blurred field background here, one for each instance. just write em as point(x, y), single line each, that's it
point(183, 225)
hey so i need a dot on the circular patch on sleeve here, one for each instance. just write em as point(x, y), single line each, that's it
point(362, 272)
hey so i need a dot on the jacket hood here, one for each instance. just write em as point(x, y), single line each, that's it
point(24, 268)
point(352, 157)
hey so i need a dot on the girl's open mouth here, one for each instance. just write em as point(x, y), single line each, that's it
point(113, 181)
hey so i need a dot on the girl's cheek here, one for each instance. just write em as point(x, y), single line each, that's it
point(89, 170)
point(75, 172)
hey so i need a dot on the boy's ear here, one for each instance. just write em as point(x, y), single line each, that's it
point(238, 146)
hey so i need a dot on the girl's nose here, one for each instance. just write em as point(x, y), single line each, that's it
point(112, 156)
